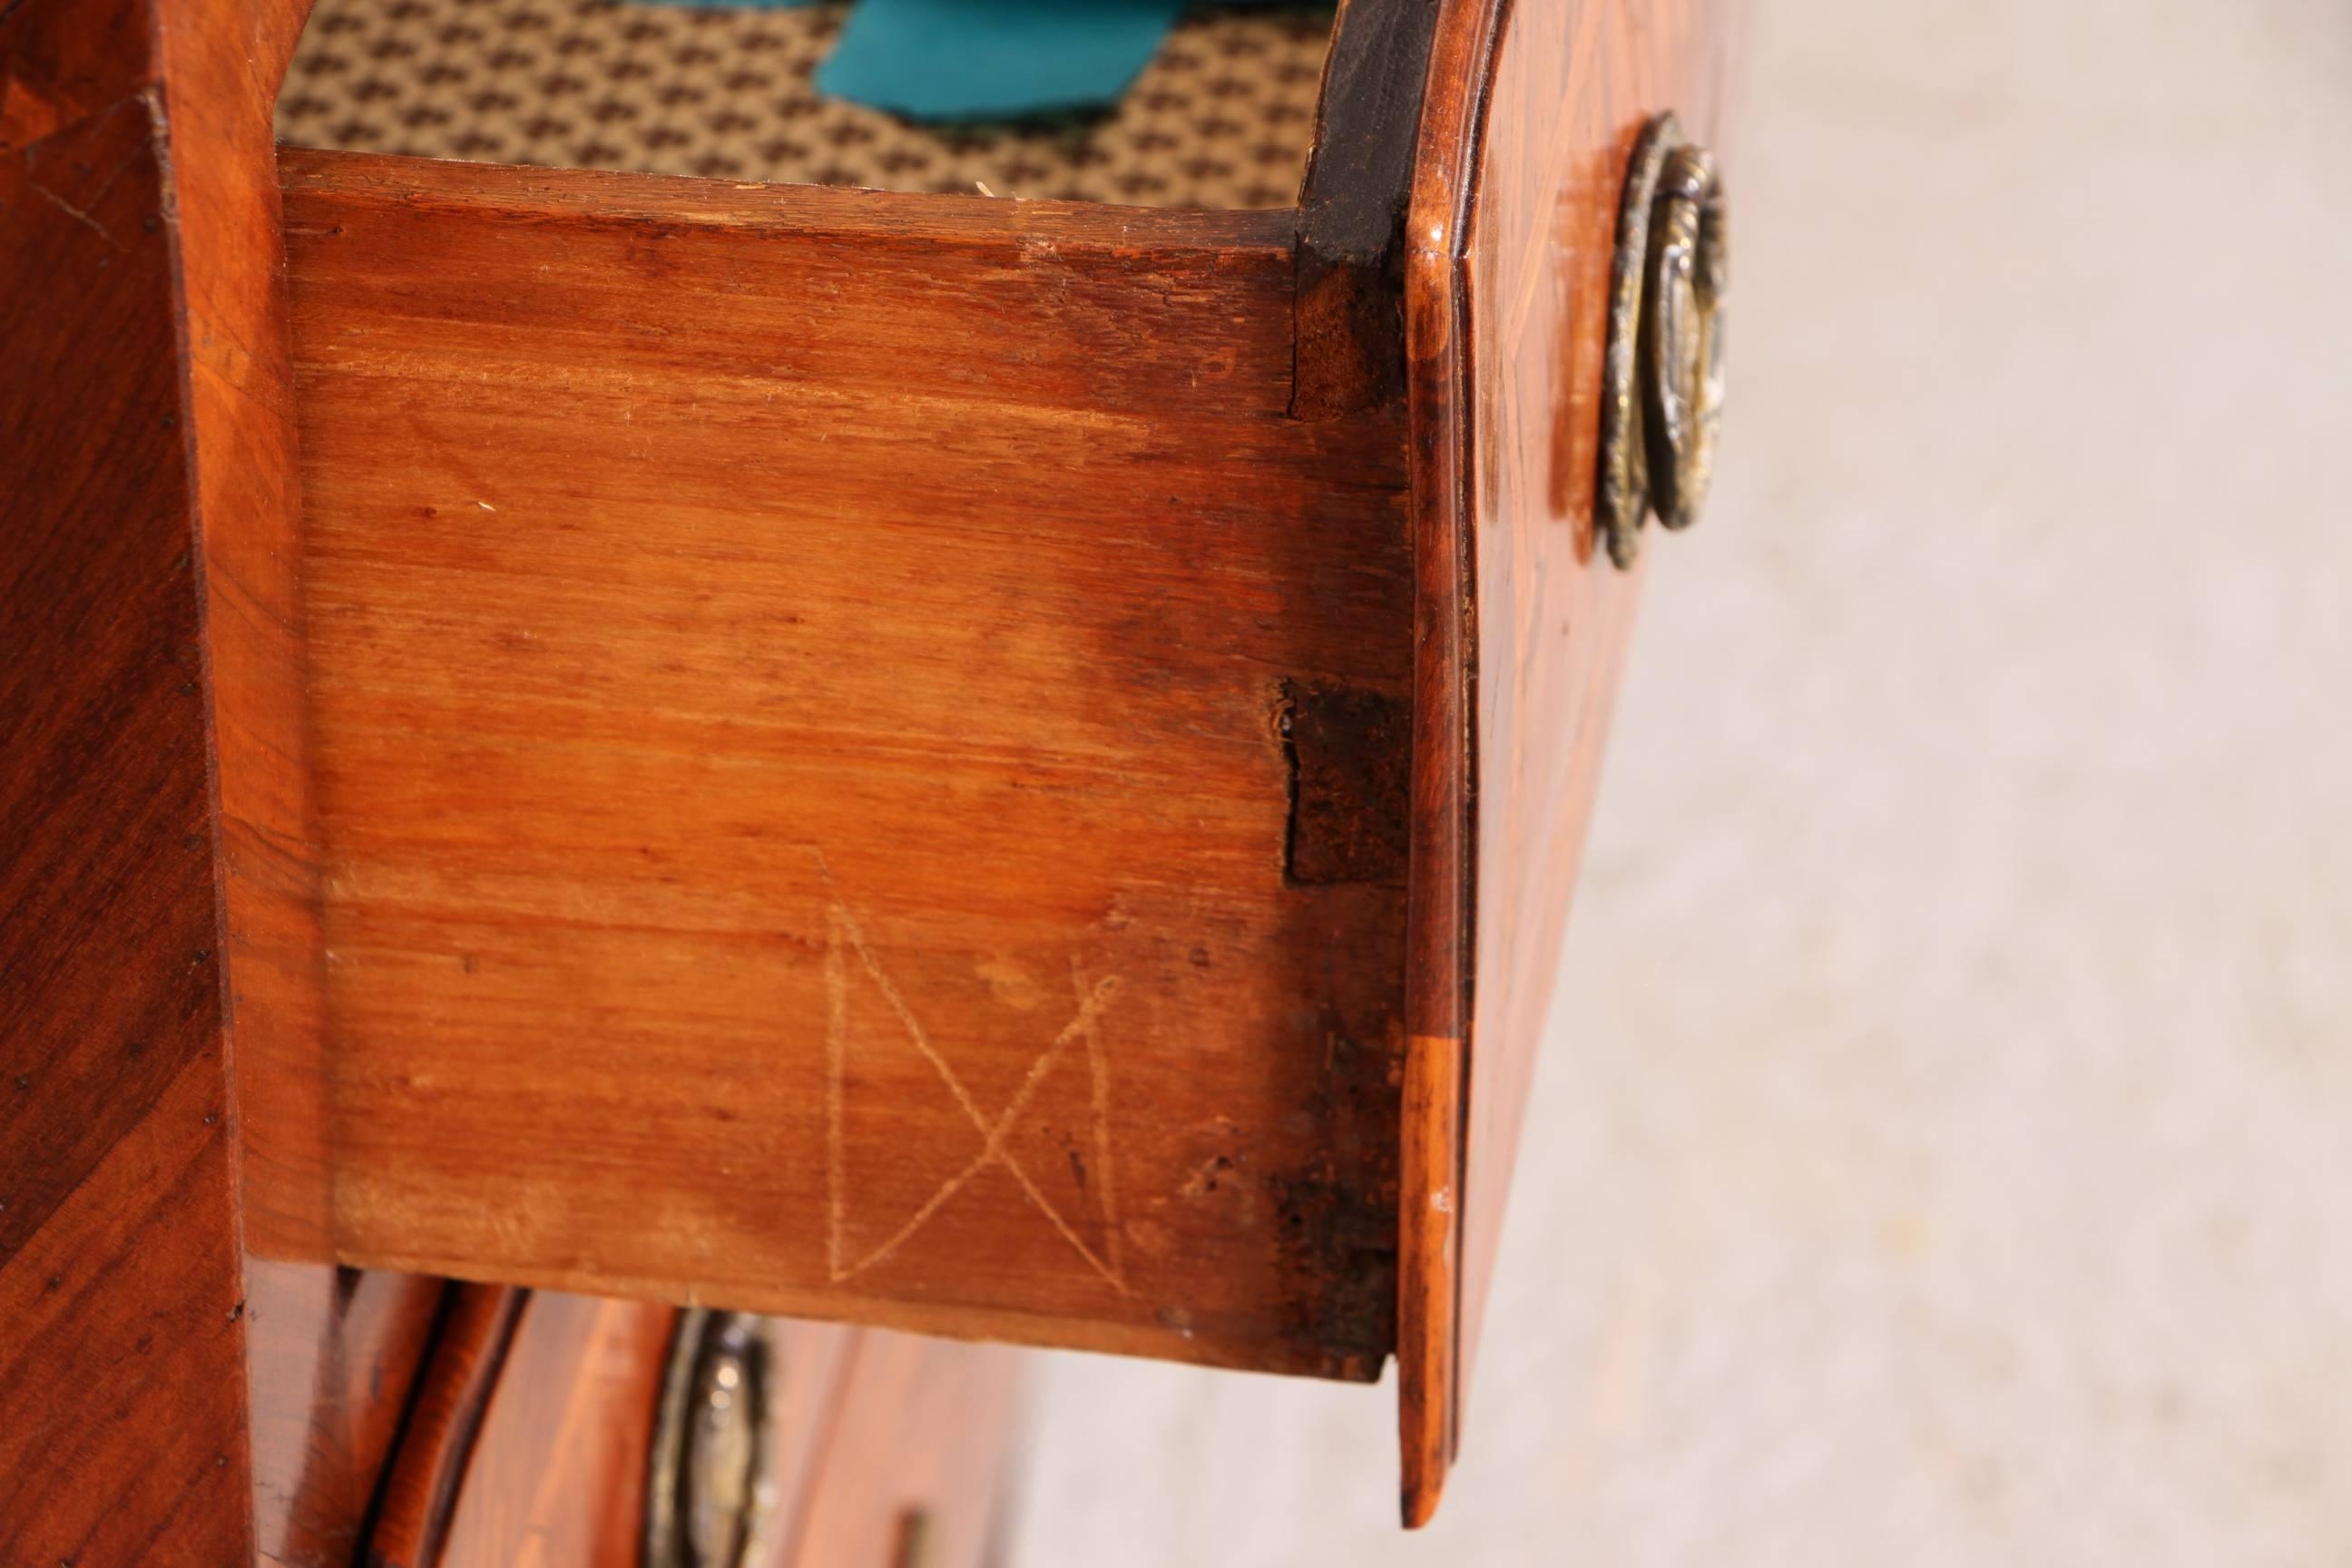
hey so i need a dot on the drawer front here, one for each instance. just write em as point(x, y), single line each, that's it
point(911, 1476)
point(1532, 114)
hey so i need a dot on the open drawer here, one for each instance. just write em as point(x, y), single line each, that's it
point(1006, 769)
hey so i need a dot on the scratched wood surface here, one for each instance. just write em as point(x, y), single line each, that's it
point(1531, 114)
point(800, 680)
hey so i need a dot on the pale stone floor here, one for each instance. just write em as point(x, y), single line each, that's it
point(1945, 1154)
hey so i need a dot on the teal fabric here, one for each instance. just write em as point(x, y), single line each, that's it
point(993, 59)
point(984, 59)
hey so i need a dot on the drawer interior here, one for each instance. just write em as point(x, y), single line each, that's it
point(1222, 116)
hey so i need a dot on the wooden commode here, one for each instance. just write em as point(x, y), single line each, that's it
point(585, 744)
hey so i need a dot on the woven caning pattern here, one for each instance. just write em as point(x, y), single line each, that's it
point(1221, 118)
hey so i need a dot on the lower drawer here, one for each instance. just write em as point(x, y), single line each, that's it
point(568, 1431)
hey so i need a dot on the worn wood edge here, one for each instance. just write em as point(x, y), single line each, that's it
point(1441, 904)
point(946, 1322)
point(1346, 306)
point(248, 521)
point(461, 1369)
point(1426, 1270)
point(526, 193)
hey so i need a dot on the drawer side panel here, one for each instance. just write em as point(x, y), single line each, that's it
point(800, 681)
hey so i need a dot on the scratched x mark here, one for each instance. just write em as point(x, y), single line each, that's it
point(845, 942)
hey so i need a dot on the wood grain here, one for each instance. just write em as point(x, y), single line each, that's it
point(1428, 1267)
point(1532, 112)
point(797, 677)
point(913, 1469)
point(785, 737)
point(556, 1476)
point(148, 515)
point(335, 1356)
point(870, 1429)
point(123, 1369)
point(1553, 620)
point(558, 1468)
point(331, 1352)
point(225, 63)
point(1438, 929)
point(817, 1359)
point(437, 1444)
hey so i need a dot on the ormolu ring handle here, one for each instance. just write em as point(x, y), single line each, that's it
point(711, 1496)
point(1662, 397)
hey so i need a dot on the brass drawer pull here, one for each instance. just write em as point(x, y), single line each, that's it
point(710, 1495)
point(1662, 399)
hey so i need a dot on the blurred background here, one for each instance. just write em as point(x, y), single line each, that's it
point(1944, 1153)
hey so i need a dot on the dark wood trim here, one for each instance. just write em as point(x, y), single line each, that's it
point(1349, 308)
point(461, 1370)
